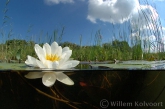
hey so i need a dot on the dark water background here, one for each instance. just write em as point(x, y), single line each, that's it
point(91, 86)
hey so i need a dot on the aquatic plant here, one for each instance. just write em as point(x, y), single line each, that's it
point(51, 57)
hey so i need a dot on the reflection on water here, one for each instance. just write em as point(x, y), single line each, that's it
point(91, 86)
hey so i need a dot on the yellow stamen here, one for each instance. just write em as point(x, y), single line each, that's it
point(52, 57)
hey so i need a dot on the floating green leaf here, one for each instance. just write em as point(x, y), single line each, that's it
point(132, 65)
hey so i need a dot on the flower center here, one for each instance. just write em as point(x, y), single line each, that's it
point(52, 57)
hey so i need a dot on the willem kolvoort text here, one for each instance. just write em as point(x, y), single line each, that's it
point(136, 104)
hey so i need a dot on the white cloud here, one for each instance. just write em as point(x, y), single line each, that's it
point(51, 2)
point(113, 11)
point(144, 20)
point(144, 17)
point(146, 25)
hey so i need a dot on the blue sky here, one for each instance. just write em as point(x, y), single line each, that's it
point(79, 17)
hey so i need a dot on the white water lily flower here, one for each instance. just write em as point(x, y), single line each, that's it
point(52, 57)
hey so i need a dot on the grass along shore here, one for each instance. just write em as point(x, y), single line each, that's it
point(14, 50)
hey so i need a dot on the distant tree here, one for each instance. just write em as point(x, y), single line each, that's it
point(123, 46)
point(106, 45)
point(69, 44)
point(15, 42)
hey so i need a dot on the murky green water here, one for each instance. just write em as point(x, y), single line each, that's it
point(128, 84)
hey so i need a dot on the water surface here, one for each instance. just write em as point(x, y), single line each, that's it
point(122, 82)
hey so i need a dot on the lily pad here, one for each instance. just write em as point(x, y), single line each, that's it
point(12, 66)
point(132, 65)
point(119, 66)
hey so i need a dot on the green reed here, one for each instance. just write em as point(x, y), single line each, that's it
point(124, 49)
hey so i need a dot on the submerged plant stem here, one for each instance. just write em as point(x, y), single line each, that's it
point(49, 96)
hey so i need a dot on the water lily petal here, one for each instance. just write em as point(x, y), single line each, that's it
point(28, 62)
point(65, 49)
point(66, 53)
point(49, 79)
point(54, 48)
point(65, 66)
point(40, 52)
point(40, 64)
point(74, 63)
point(64, 79)
point(31, 61)
point(49, 64)
point(47, 49)
point(55, 65)
point(34, 75)
point(59, 52)
point(65, 56)
point(69, 64)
